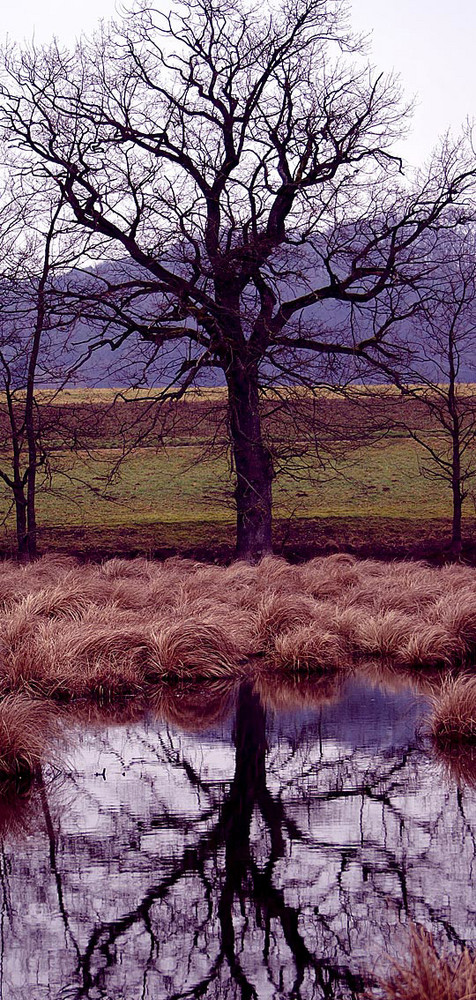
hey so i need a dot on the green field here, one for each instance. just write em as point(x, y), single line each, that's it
point(179, 493)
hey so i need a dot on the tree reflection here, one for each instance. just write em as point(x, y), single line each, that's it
point(274, 881)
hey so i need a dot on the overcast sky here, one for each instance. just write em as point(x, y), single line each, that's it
point(431, 43)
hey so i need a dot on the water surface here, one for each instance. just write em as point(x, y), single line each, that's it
point(269, 842)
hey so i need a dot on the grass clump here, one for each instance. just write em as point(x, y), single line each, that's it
point(310, 648)
point(27, 728)
point(453, 715)
point(428, 975)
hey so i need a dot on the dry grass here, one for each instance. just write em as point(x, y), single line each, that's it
point(310, 648)
point(27, 729)
point(278, 614)
point(453, 712)
point(428, 975)
point(120, 629)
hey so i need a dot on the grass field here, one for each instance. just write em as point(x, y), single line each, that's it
point(166, 494)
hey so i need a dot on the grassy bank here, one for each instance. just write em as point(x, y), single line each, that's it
point(133, 630)
point(295, 538)
point(114, 628)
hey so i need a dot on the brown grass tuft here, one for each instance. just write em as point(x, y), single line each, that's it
point(56, 602)
point(331, 576)
point(194, 648)
point(310, 648)
point(26, 731)
point(382, 634)
point(277, 614)
point(104, 679)
point(120, 569)
point(427, 975)
point(430, 644)
point(458, 615)
point(453, 715)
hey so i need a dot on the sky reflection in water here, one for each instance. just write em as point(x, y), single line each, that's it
point(279, 853)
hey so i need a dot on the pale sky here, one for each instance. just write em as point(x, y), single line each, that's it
point(431, 43)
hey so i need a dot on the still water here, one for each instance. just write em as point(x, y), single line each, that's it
point(265, 842)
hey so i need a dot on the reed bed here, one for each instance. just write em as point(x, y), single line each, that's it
point(117, 630)
point(429, 975)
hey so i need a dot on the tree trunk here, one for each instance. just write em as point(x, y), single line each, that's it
point(456, 541)
point(20, 518)
point(253, 464)
point(31, 511)
point(456, 535)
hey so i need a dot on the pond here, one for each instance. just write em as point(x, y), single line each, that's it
point(262, 841)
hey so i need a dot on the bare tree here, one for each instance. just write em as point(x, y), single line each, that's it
point(36, 322)
point(435, 371)
point(242, 162)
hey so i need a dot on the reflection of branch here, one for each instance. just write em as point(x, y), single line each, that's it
point(53, 861)
point(270, 901)
point(105, 935)
point(466, 825)
point(6, 911)
point(247, 792)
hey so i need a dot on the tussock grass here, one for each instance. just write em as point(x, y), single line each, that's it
point(429, 975)
point(310, 648)
point(193, 648)
point(278, 614)
point(26, 731)
point(120, 629)
point(453, 714)
point(382, 634)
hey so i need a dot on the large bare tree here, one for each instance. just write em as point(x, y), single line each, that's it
point(242, 161)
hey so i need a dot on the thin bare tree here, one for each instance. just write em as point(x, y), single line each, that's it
point(39, 249)
point(435, 370)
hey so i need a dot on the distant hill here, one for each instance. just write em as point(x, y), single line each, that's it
point(135, 362)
